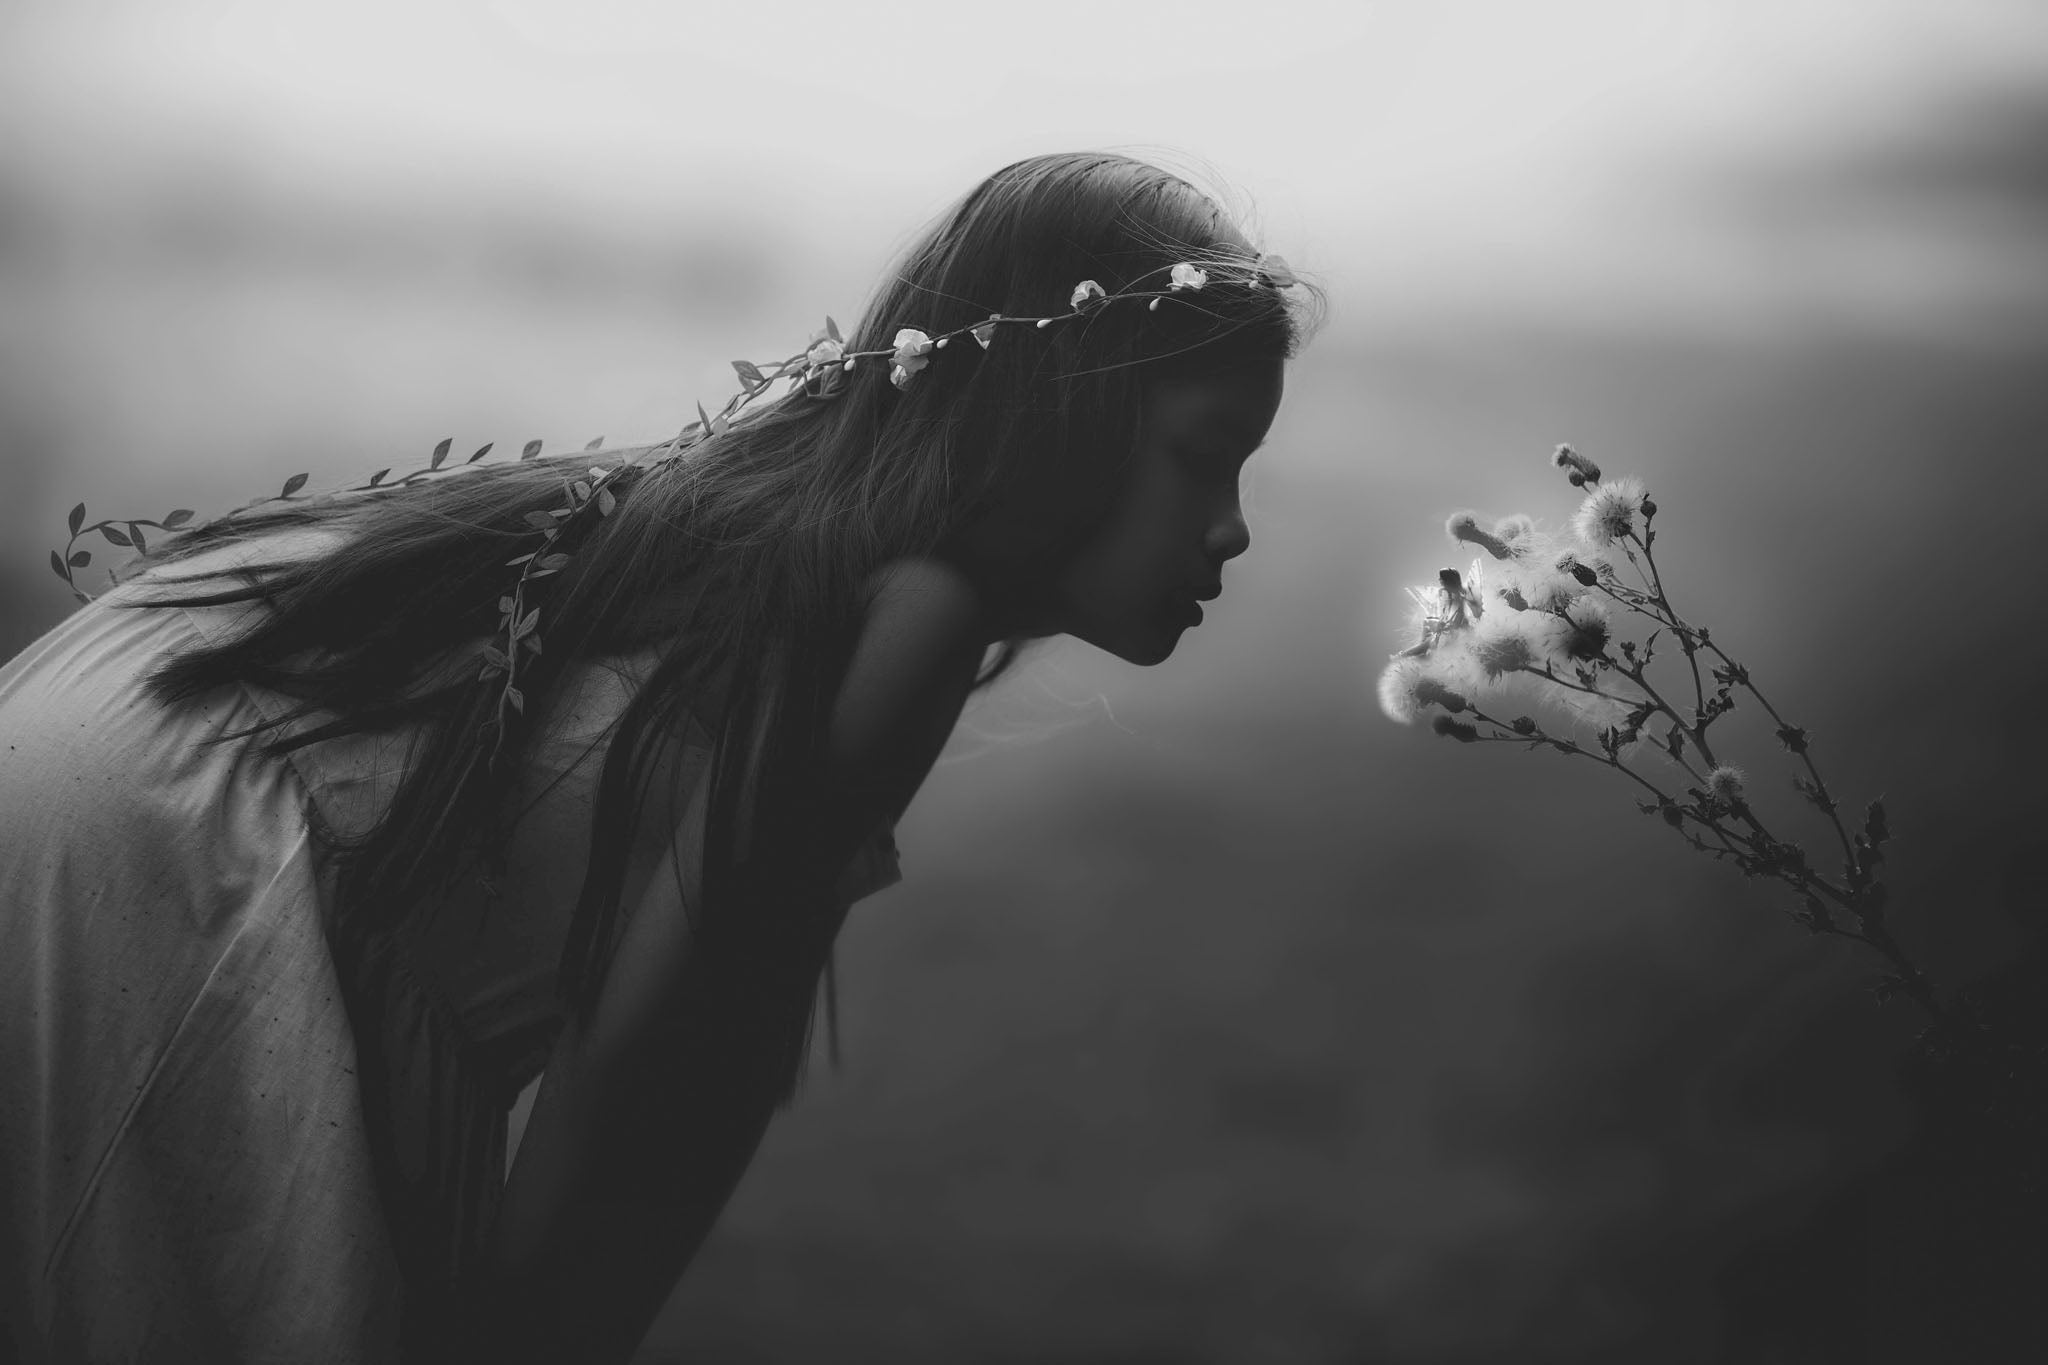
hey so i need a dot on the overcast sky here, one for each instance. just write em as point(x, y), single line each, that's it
point(1592, 155)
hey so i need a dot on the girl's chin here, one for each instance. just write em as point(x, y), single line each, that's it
point(1154, 643)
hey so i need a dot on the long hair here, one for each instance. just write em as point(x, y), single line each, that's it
point(754, 545)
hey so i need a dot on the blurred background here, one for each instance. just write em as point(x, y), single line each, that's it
point(1218, 1018)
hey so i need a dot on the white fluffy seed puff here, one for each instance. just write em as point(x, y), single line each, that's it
point(1410, 686)
point(1581, 632)
point(1609, 513)
point(1505, 642)
point(1725, 785)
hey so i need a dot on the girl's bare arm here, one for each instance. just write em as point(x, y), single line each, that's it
point(643, 1124)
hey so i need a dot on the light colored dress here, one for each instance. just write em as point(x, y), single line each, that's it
point(216, 1130)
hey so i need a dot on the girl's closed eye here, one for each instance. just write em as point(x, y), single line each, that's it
point(1216, 466)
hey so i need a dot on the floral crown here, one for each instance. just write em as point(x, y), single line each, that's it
point(819, 370)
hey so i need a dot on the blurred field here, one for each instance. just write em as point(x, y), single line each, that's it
point(1219, 1019)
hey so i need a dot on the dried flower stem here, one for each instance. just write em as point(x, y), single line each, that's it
point(1712, 815)
point(1757, 853)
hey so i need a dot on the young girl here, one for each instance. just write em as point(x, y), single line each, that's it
point(349, 816)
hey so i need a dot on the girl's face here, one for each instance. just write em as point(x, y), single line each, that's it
point(1133, 586)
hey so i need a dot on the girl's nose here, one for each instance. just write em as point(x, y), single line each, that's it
point(1229, 537)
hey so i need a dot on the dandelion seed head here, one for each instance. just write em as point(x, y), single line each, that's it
point(1581, 631)
point(1558, 595)
point(1501, 645)
point(1609, 513)
point(1725, 784)
point(1410, 686)
point(1397, 693)
point(1458, 667)
point(1516, 532)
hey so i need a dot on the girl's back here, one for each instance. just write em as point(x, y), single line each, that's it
point(173, 994)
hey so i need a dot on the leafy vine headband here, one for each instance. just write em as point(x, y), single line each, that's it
point(819, 371)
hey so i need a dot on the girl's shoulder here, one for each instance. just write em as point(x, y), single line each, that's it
point(286, 545)
point(922, 593)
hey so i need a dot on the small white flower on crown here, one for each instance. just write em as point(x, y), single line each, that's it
point(1187, 276)
point(913, 353)
point(825, 352)
point(985, 332)
point(1087, 297)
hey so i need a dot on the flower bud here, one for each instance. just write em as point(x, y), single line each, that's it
point(1455, 729)
point(1464, 526)
point(1570, 564)
point(1608, 514)
point(1430, 692)
point(1582, 471)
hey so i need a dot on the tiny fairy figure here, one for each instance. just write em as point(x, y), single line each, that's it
point(345, 818)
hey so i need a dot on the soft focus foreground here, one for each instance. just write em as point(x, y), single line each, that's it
point(1218, 1019)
